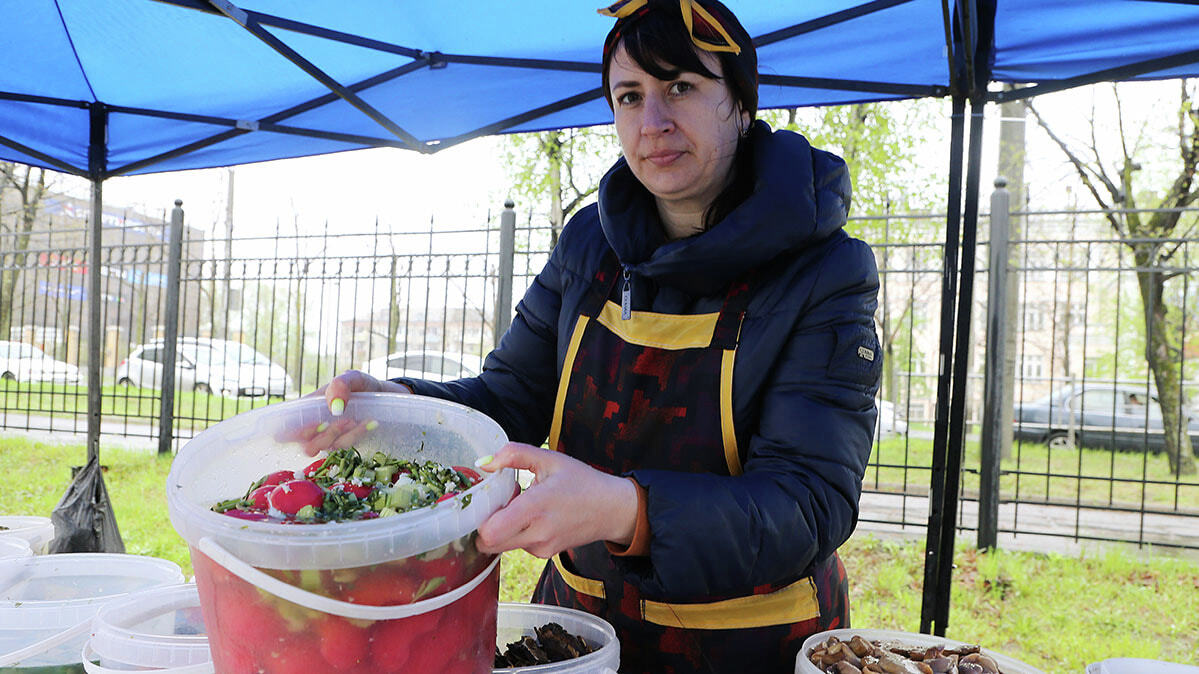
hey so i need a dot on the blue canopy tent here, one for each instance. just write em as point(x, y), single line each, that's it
point(136, 86)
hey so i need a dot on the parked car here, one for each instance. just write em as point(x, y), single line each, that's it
point(431, 365)
point(890, 419)
point(1102, 416)
point(25, 362)
point(207, 366)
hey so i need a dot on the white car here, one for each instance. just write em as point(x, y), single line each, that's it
point(203, 365)
point(430, 365)
point(24, 362)
point(890, 420)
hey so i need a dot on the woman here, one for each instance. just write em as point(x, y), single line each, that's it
point(700, 354)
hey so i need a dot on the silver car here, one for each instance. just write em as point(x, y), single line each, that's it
point(27, 363)
point(430, 365)
point(221, 366)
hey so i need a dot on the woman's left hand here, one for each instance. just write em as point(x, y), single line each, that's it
point(569, 504)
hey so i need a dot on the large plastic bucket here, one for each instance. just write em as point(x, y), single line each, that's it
point(14, 548)
point(805, 666)
point(37, 531)
point(157, 630)
point(409, 592)
point(47, 603)
point(1139, 666)
point(520, 620)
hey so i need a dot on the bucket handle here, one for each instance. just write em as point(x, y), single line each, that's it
point(93, 668)
point(39, 647)
point(219, 554)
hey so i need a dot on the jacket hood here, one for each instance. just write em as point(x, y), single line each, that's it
point(800, 196)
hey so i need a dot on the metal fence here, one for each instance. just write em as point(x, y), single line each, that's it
point(277, 316)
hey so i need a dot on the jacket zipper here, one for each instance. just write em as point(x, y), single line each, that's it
point(626, 295)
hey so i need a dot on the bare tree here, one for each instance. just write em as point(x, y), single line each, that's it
point(29, 183)
point(1153, 240)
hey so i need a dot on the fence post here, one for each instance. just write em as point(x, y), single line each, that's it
point(503, 301)
point(991, 439)
point(166, 414)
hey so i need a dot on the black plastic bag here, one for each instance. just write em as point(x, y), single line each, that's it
point(83, 519)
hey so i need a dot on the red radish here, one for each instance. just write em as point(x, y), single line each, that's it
point(245, 514)
point(311, 468)
point(447, 495)
point(258, 496)
point(290, 497)
point(278, 477)
point(359, 490)
point(473, 476)
point(370, 515)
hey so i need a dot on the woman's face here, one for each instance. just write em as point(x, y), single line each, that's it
point(679, 136)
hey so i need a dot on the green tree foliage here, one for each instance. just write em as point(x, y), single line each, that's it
point(555, 173)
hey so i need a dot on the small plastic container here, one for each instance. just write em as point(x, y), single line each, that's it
point(266, 587)
point(805, 666)
point(14, 548)
point(519, 620)
point(37, 531)
point(159, 629)
point(47, 602)
point(1139, 666)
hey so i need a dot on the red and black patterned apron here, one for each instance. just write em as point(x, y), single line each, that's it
point(651, 390)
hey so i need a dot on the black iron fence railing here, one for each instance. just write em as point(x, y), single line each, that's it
point(1093, 390)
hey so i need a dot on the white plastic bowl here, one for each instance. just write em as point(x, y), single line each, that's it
point(37, 531)
point(805, 666)
point(47, 602)
point(519, 620)
point(1139, 666)
point(14, 548)
point(159, 629)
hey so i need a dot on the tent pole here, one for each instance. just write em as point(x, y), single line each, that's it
point(961, 361)
point(97, 161)
point(941, 423)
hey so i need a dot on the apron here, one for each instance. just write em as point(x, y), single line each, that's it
point(643, 390)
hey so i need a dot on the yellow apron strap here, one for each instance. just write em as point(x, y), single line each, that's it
point(564, 380)
point(731, 454)
point(794, 603)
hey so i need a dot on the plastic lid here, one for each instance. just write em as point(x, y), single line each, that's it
point(518, 620)
point(60, 591)
point(805, 666)
point(1139, 666)
point(14, 548)
point(223, 460)
point(158, 628)
point(37, 531)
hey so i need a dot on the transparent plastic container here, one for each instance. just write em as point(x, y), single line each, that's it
point(805, 666)
point(47, 603)
point(14, 548)
point(409, 592)
point(520, 620)
point(159, 629)
point(37, 531)
point(1139, 666)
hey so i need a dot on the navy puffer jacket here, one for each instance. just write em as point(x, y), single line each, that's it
point(806, 370)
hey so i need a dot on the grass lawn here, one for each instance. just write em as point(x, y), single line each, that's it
point(128, 403)
point(1034, 473)
point(1055, 612)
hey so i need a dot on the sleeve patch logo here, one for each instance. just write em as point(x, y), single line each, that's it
point(866, 354)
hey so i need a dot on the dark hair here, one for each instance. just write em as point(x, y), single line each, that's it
point(657, 40)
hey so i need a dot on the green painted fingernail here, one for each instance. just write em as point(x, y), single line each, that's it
point(372, 425)
point(484, 460)
point(337, 407)
point(322, 427)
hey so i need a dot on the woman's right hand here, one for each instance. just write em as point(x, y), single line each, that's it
point(342, 431)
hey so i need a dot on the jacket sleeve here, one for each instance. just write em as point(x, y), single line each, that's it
point(519, 379)
point(797, 500)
